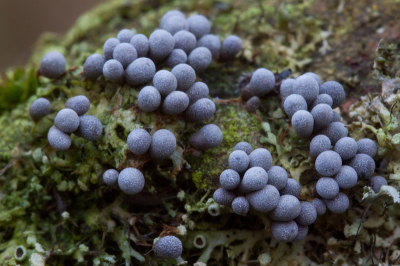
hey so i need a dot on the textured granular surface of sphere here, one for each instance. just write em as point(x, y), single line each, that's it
point(243, 146)
point(201, 110)
point(58, 139)
point(125, 36)
point(347, 177)
point(165, 82)
point(161, 44)
point(200, 58)
point(93, 66)
point(277, 177)
point(223, 197)
point(80, 104)
point(168, 247)
point(308, 214)
point(131, 181)
point(176, 57)
point(307, 87)
point(328, 163)
point(377, 182)
point(252, 104)
point(314, 76)
point(363, 164)
point(185, 76)
point(139, 141)
point(239, 161)
point(367, 146)
point(318, 145)
point(335, 90)
point(292, 188)
point(90, 127)
point(254, 179)
point(114, 71)
point(336, 117)
point(39, 108)
point(303, 123)
point(175, 24)
point(175, 103)
point(52, 65)
point(140, 71)
point(264, 200)
point(149, 99)
point(110, 177)
point(199, 25)
point(286, 88)
point(141, 44)
point(208, 137)
point(125, 53)
point(67, 120)
point(261, 157)
point(288, 208)
point(229, 179)
point(319, 206)
point(338, 204)
point(240, 206)
point(169, 14)
point(284, 231)
point(163, 144)
point(335, 131)
point(230, 47)
point(322, 98)
point(346, 147)
point(109, 47)
point(262, 82)
point(294, 103)
point(197, 91)
point(327, 187)
point(211, 42)
point(185, 40)
point(322, 114)
point(302, 233)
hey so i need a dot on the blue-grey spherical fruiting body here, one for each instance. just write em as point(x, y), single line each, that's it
point(208, 137)
point(335, 131)
point(243, 146)
point(327, 187)
point(322, 98)
point(200, 58)
point(346, 147)
point(39, 108)
point(52, 65)
point(90, 127)
point(239, 161)
point(125, 53)
point(199, 25)
point(110, 177)
point(338, 204)
point(185, 76)
point(140, 71)
point(114, 71)
point(165, 82)
point(223, 197)
point(319, 205)
point(175, 24)
point(67, 120)
point(319, 144)
point(308, 214)
point(230, 47)
point(161, 44)
point(185, 40)
point(363, 164)
point(288, 208)
point(286, 88)
point(170, 14)
point(141, 44)
point(252, 104)
point(109, 47)
point(176, 57)
point(377, 182)
point(201, 110)
point(261, 157)
point(322, 114)
point(58, 139)
point(211, 42)
point(294, 103)
point(175, 103)
point(80, 104)
point(197, 91)
point(307, 87)
point(163, 144)
point(335, 90)
point(93, 66)
point(314, 76)
point(229, 179)
point(125, 36)
point(168, 247)
point(139, 141)
point(367, 146)
point(292, 188)
point(254, 179)
point(262, 82)
point(328, 163)
point(277, 177)
point(303, 123)
point(131, 181)
point(347, 177)
point(336, 117)
point(264, 200)
point(240, 206)
point(149, 99)
point(284, 231)
point(302, 233)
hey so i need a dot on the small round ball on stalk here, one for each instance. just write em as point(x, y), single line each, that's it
point(125, 35)
point(110, 177)
point(168, 247)
point(197, 91)
point(131, 181)
point(288, 208)
point(347, 177)
point(328, 163)
point(363, 164)
point(322, 114)
point(39, 108)
point(303, 123)
point(185, 76)
point(302, 233)
point(335, 131)
point(200, 58)
point(161, 44)
point(284, 231)
point(201, 110)
point(292, 188)
point(320, 206)
point(93, 66)
point(261, 157)
point(165, 82)
point(175, 103)
point(367, 146)
point(314, 76)
point(185, 40)
point(140, 71)
point(114, 71)
point(199, 25)
point(346, 147)
point(264, 200)
point(229, 179)
point(294, 103)
point(67, 120)
point(336, 117)
point(307, 87)
point(319, 144)
point(239, 161)
point(254, 179)
point(377, 182)
point(322, 98)
point(208, 137)
point(149, 99)
point(252, 104)
point(286, 88)
point(211, 42)
point(335, 90)
point(109, 47)
point(230, 47)
point(175, 24)
point(58, 139)
point(277, 177)
point(243, 146)
point(262, 82)
point(308, 214)
point(169, 14)
point(125, 53)
point(52, 65)
point(327, 187)
point(223, 197)
point(338, 204)
point(163, 144)
point(80, 104)
point(176, 57)
point(240, 206)
point(141, 44)
point(139, 141)
point(90, 127)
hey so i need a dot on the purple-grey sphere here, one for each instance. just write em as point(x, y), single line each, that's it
point(240, 206)
point(67, 120)
point(93, 66)
point(197, 91)
point(58, 139)
point(239, 161)
point(125, 53)
point(308, 214)
point(328, 163)
point(168, 247)
point(303, 123)
point(284, 231)
point(261, 157)
point(327, 187)
point(363, 164)
point(211, 42)
point(39, 108)
point(110, 177)
point(367, 146)
point(141, 44)
point(149, 99)
point(139, 141)
point(262, 82)
point(307, 87)
point(90, 127)
point(165, 82)
point(185, 76)
point(335, 90)
point(319, 206)
point(161, 44)
point(114, 71)
point(230, 47)
point(223, 197)
point(346, 147)
point(264, 200)
point(131, 181)
point(109, 47)
point(185, 40)
point(322, 114)
point(201, 110)
point(338, 204)
point(377, 182)
point(200, 58)
point(125, 35)
point(199, 25)
point(335, 131)
point(175, 24)
point(347, 177)
point(163, 144)
point(243, 146)
point(294, 103)
point(80, 104)
point(288, 208)
point(208, 137)
point(277, 177)
point(292, 188)
point(52, 65)
point(254, 179)
point(140, 71)
point(176, 57)
point(319, 144)
point(229, 179)
point(175, 103)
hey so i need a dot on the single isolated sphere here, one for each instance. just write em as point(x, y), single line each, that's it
point(314, 76)
point(367, 146)
point(199, 25)
point(277, 177)
point(307, 87)
point(347, 177)
point(93, 66)
point(303, 123)
point(363, 164)
point(67, 120)
point(161, 44)
point(338, 204)
point(52, 65)
point(327, 187)
point(176, 57)
point(140, 71)
point(169, 14)
point(240, 206)
point(185, 76)
point(58, 139)
point(168, 247)
point(201, 110)
point(200, 58)
point(239, 161)
point(230, 47)
point(114, 71)
point(377, 182)
point(318, 145)
point(223, 197)
point(335, 90)
point(322, 98)
point(90, 127)
point(139, 141)
point(39, 108)
point(319, 206)
point(335, 131)
point(175, 24)
point(284, 231)
point(328, 163)
point(125, 53)
point(229, 179)
point(109, 47)
point(288, 208)
point(185, 40)
point(125, 35)
point(292, 188)
point(80, 104)
point(254, 179)
point(208, 137)
point(308, 214)
point(262, 82)
point(294, 103)
point(264, 200)
point(286, 88)
point(346, 147)
point(322, 114)
point(197, 91)
point(243, 146)
point(110, 177)
point(141, 44)
point(302, 233)
point(252, 104)
point(175, 103)
point(165, 82)
point(131, 181)
point(149, 99)
point(211, 42)
point(163, 144)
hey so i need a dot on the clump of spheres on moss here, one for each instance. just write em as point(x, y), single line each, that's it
point(265, 199)
point(175, 103)
point(125, 35)
point(294, 103)
point(307, 87)
point(110, 177)
point(185, 76)
point(168, 247)
point(334, 131)
point(229, 179)
point(201, 110)
point(131, 181)
point(52, 65)
point(346, 147)
point(200, 58)
point(161, 44)
point(39, 108)
point(197, 91)
point(93, 66)
point(208, 137)
point(223, 197)
point(67, 120)
point(163, 144)
point(58, 139)
point(254, 179)
point(322, 115)
point(240, 206)
point(139, 141)
point(230, 47)
point(185, 40)
point(277, 177)
point(114, 71)
point(335, 90)
point(243, 146)
point(149, 99)
point(314, 76)
point(328, 163)
point(303, 123)
point(261, 157)
point(262, 82)
point(323, 98)
point(80, 104)
point(239, 161)
point(377, 182)
point(90, 127)
point(141, 44)
point(211, 42)
point(125, 53)
point(140, 71)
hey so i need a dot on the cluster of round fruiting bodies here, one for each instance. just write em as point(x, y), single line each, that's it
point(71, 119)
